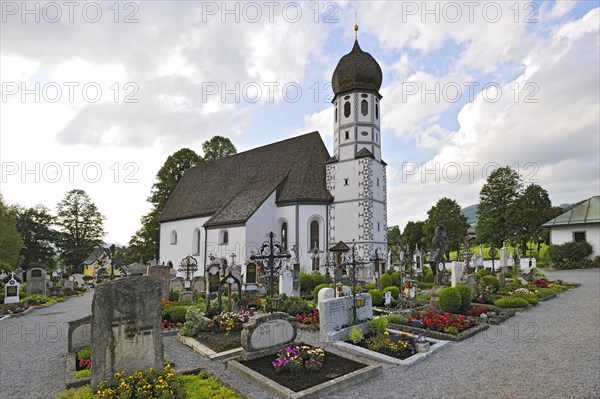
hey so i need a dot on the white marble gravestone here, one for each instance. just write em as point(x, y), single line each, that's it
point(336, 316)
point(286, 282)
point(325, 293)
point(457, 273)
point(264, 334)
point(11, 290)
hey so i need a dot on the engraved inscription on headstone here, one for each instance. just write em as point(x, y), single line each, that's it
point(267, 331)
point(36, 281)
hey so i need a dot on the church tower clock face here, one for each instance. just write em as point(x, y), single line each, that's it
point(356, 175)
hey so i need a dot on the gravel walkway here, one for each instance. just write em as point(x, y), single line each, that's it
point(550, 351)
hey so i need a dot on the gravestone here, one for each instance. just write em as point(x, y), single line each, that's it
point(213, 278)
point(186, 296)
point(198, 284)
point(19, 273)
point(387, 298)
point(11, 290)
point(296, 279)
point(336, 317)
point(286, 282)
point(265, 334)
point(472, 283)
point(177, 284)
point(457, 273)
point(325, 293)
point(69, 285)
point(504, 267)
point(162, 274)
point(501, 279)
point(36, 281)
point(126, 327)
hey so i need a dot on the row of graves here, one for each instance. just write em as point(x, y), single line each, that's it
point(24, 290)
point(293, 347)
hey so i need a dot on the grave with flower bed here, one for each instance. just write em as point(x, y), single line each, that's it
point(275, 362)
point(389, 346)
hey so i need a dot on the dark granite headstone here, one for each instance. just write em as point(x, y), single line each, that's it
point(36, 281)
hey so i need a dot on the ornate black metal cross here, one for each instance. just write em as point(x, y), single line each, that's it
point(272, 255)
point(353, 263)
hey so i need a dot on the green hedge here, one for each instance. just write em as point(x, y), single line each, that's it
point(396, 279)
point(490, 281)
point(511, 303)
point(450, 300)
point(317, 289)
point(532, 299)
point(571, 255)
point(308, 282)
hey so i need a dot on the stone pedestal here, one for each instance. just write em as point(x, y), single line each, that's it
point(163, 275)
point(434, 301)
point(457, 273)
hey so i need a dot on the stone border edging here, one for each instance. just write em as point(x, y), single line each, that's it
point(318, 391)
point(73, 382)
point(205, 351)
point(378, 357)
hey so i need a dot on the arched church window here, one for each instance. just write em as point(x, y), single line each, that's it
point(347, 109)
point(314, 234)
point(284, 236)
point(364, 107)
point(224, 237)
point(173, 237)
point(197, 242)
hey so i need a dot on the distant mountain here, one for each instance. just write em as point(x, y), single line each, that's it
point(470, 213)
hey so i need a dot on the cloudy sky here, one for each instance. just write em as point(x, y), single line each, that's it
point(96, 95)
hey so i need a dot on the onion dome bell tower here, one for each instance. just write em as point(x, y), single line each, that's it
point(356, 175)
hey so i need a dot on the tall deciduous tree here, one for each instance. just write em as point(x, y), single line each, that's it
point(393, 236)
point(496, 199)
point(143, 246)
point(531, 209)
point(414, 235)
point(81, 228)
point(217, 147)
point(10, 241)
point(39, 238)
point(446, 212)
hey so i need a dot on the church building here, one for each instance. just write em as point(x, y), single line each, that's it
point(222, 211)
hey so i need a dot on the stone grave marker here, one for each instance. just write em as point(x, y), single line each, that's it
point(213, 278)
point(296, 279)
point(472, 283)
point(325, 293)
point(162, 274)
point(177, 284)
point(36, 281)
point(186, 296)
point(11, 290)
point(457, 273)
point(335, 317)
point(126, 327)
point(286, 282)
point(387, 298)
point(69, 285)
point(504, 266)
point(198, 284)
point(501, 279)
point(265, 334)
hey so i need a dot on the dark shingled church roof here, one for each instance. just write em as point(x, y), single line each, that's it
point(356, 70)
point(231, 189)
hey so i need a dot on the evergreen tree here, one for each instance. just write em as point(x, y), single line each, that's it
point(10, 241)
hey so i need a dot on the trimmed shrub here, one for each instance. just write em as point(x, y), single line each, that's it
point(480, 274)
point(511, 303)
point(396, 278)
point(390, 271)
point(396, 318)
point(174, 314)
point(376, 297)
point(465, 296)
point(536, 274)
point(428, 275)
point(490, 281)
point(395, 291)
point(386, 281)
point(377, 325)
point(570, 255)
point(532, 299)
point(317, 289)
point(194, 321)
point(308, 282)
point(370, 286)
point(355, 335)
point(450, 300)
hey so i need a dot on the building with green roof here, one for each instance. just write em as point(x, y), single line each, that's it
point(580, 223)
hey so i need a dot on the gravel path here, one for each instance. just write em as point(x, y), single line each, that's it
point(550, 351)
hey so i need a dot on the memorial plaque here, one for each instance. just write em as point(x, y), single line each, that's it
point(267, 331)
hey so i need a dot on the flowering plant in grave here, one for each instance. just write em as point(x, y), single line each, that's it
point(228, 320)
point(541, 283)
point(310, 319)
point(446, 322)
point(520, 291)
point(485, 295)
point(297, 358)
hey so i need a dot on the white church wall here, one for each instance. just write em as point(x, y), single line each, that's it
point(263, 221)
point(236, 243)
point(186, 241)
point(306, 214)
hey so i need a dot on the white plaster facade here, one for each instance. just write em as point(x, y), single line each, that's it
point(561, 234)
